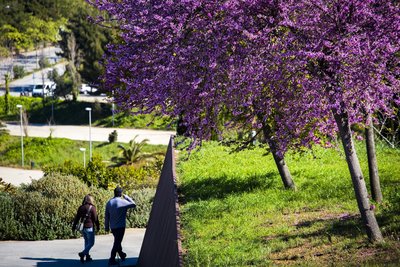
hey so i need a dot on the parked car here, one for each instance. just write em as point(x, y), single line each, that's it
point(87, 89)
point(26, 91)
point(37, 89)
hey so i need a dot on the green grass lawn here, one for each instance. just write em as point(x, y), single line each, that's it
point(54, 151)
point(235, 211)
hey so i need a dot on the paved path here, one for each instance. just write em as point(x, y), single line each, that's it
point(64, 253)
point(17, 176)
point(29, 61)
point(98, 133)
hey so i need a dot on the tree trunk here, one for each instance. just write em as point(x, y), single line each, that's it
point(360, 189)
point(7, 94)
point(279, 160)
point(373, 164)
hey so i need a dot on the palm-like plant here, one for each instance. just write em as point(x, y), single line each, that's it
point(133, 154)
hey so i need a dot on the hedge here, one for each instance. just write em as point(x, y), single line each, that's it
point(45, 209)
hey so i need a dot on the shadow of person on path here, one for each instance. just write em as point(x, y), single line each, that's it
point(52, 262)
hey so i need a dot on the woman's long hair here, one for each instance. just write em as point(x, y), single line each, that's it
point(88, 199)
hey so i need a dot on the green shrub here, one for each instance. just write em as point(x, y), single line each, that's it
point(140, 215)
point(19, 71)
point(8, 226)
point(3, 129)
point(98, 174)
point(45, 209)
point(6, 187)
point(95, 174)
point(44, 62)
point(131, 178)
point(97, 109)
point(26, 102)
point(113, 136)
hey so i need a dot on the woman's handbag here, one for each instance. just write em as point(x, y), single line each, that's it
point(81, 223)
point(79, 226)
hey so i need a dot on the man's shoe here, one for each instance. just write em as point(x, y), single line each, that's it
point(88, 258)
point(123, 256)
point(112, 262)
point(82, 257)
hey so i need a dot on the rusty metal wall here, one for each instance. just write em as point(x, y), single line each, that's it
point(161, 244)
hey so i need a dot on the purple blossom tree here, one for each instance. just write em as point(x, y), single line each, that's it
point(289, 69)
point(348, 50)
point(375, 184)
point(204, 62)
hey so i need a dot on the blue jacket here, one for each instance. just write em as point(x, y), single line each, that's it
point(116, 209)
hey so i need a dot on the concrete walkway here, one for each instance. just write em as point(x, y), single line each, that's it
point(64, 253)
point(17, 176)
point(100, 134)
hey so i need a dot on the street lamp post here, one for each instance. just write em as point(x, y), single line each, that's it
point(112, 110)
point(84, 156)
point(22, 136)
point(90, 132)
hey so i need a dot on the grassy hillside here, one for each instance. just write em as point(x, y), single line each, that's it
point(235, 211)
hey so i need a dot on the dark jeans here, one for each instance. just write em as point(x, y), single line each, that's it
point(118, 234)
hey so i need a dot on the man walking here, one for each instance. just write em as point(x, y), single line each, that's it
point(115, 219)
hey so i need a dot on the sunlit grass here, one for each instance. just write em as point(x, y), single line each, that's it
point(235, 211)
point(54, 151)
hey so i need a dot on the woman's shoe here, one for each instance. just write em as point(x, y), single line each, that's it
point(123, 256)
point(88, 258)
point(82, 257)
point(112, 261)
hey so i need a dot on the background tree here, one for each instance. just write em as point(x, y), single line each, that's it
point(12, 40)
point(91, 40)
point(37, 23)
point(41, 31)
point(71, 68)
point(7, 94)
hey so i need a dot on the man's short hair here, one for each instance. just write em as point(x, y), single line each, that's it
point(118, 191)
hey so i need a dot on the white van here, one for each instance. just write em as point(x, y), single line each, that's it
point(37, 89)
point(87, 89)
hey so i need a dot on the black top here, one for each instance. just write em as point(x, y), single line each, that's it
point(91, 221)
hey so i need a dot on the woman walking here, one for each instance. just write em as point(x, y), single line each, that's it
point(88, 215)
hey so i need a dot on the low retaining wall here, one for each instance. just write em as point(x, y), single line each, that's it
point(161, 244)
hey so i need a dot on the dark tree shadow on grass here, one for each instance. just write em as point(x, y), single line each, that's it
point(332, 231)
point(103, 144)
point(348, 226)
point(339, 227)
point(389, 218)
point(221, 187)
